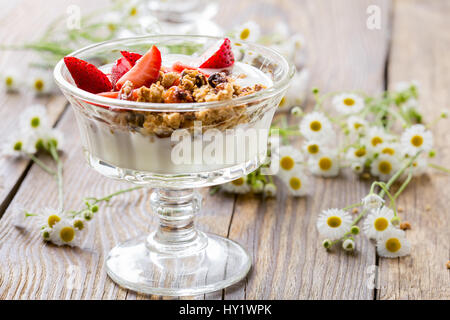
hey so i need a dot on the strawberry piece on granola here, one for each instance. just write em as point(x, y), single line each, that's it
point(218, 56)
point(180, 67)
point(87, 76)
point(131, 57)
point(145, 71)
point(121, 67)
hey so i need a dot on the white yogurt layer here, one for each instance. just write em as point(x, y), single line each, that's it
point(128, 149)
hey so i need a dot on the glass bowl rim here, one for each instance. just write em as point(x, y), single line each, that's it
point(96, 100)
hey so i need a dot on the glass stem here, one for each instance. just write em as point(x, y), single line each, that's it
point(176, 232)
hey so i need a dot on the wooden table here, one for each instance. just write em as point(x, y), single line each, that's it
point(280, 234)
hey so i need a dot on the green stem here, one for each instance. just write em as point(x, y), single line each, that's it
point(403, 186)
point(352, 206)
point(359, 217)
point(438, 167)
point(107, 198)
point(41, 164)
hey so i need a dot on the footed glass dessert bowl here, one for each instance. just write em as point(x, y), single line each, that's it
point(175, 113)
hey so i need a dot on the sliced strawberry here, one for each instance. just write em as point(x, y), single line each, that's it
point(121, 67)
point(218, 56)
point(87, 76)
point(132, 57)
point(179, 67)
point(110, 94)
point(145, 71)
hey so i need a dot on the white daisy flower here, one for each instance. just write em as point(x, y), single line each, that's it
point(357, 154)
point(288, 158)
point(297, 90)
point(348, 245)
point(64, 233)
point(372, 201)
point(41, 83)
point(406, 85)
point(53, 136)
point(378, 222)
point(357, 124)
point(316, 126)
point(325, 165)
point(348, 103)
point(334, 223)
point(19, 145)
point(384, 166)
point(48, 217)
point(297, 183)
point(314, 148)
point(357, 167)
point(419, 167)
point(237, 186)
point(416, 138)
point(46, 233)
point(376, 136)
point(270, 190)
point(11, 80)
point(249, 31)
point(410, 105)
point(80, 224)
point(393, 244)
point(390, 148)
point(34, 118)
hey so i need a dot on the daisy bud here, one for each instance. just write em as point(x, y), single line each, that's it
point(354, 230)
point(315, 90)
point(258, 186)
point(444, 114)
point(296, 111)
point(270, 190)
point(94, 209)
point(348, 245)
point(432, 153)
point(46, 233)
point(327, 243)
point(395, 221)
point(88, 216)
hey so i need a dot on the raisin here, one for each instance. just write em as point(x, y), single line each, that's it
point(217, 78)
point(177, 95)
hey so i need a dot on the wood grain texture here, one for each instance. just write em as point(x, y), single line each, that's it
point(288, 260)
point(420, 51)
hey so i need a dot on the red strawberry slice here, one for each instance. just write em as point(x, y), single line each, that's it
point(145, 71)
point(218, 56)
point(109, 94)
point(180, 66)
point(121, 67)
point(131, 56)
point(87, 76)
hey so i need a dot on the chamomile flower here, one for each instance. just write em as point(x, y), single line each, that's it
point(390, 148)
point(348, 244)
point(348, 103)
point(41, 83)
point(297, 183)
point(34, 118)
point(334, 223)
point(18, 145)
point(316, 126)
point(325, 165)
point(357, 125)
point(419, 167)
point(11, 80)
point(64, 233)
point(376, 136)
point(384, 166)
point(378, 222)
point(314, 148)
point(48, 217)
point(249, 31)
point(372, 201)
point(416, 138)
point(357, 167)
point(393, 244)
point(357, 154)
point(270, 190)
point(288, 159)
point(237, 186)
point(54, 137)
point(46, 233)
point(297, 90)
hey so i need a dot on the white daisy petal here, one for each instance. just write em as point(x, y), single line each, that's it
point(64, 233)
point(393, 244)
point(372, 201)
point(34, 118)
point(249, 31)
point(334, 223)
point(297, 183)
point(384, 166)
point(288, 159)
point(348, 103)
point(316, 126)
point(416, 138)
point(325, 164)
point(357, 124)
point(239, 186)
point(374, 139)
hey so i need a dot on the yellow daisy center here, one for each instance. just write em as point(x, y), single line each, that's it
point(385, 167)
point(360, 152)
point(381, 224)
point(388, 151)
point(39, 84)
point(238, 182)
point(133, 11)
point(349, 102)
point(325, 164)
point(315, 125)
point(78, 224)
point(357, 125)
point(287, 163)
point(313, 148)
point(52, 220)
point(67, 234)
point(245, 34)
point(9, 81)
point(417, 141)
point(376, 140)
point(393, 245)
point(282, 102)
point(334, 221)
point(295, 183)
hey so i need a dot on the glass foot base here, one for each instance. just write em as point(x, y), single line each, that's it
point(220, 264)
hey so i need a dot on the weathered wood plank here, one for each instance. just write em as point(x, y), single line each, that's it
point(289, 262)
point(420, 50)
